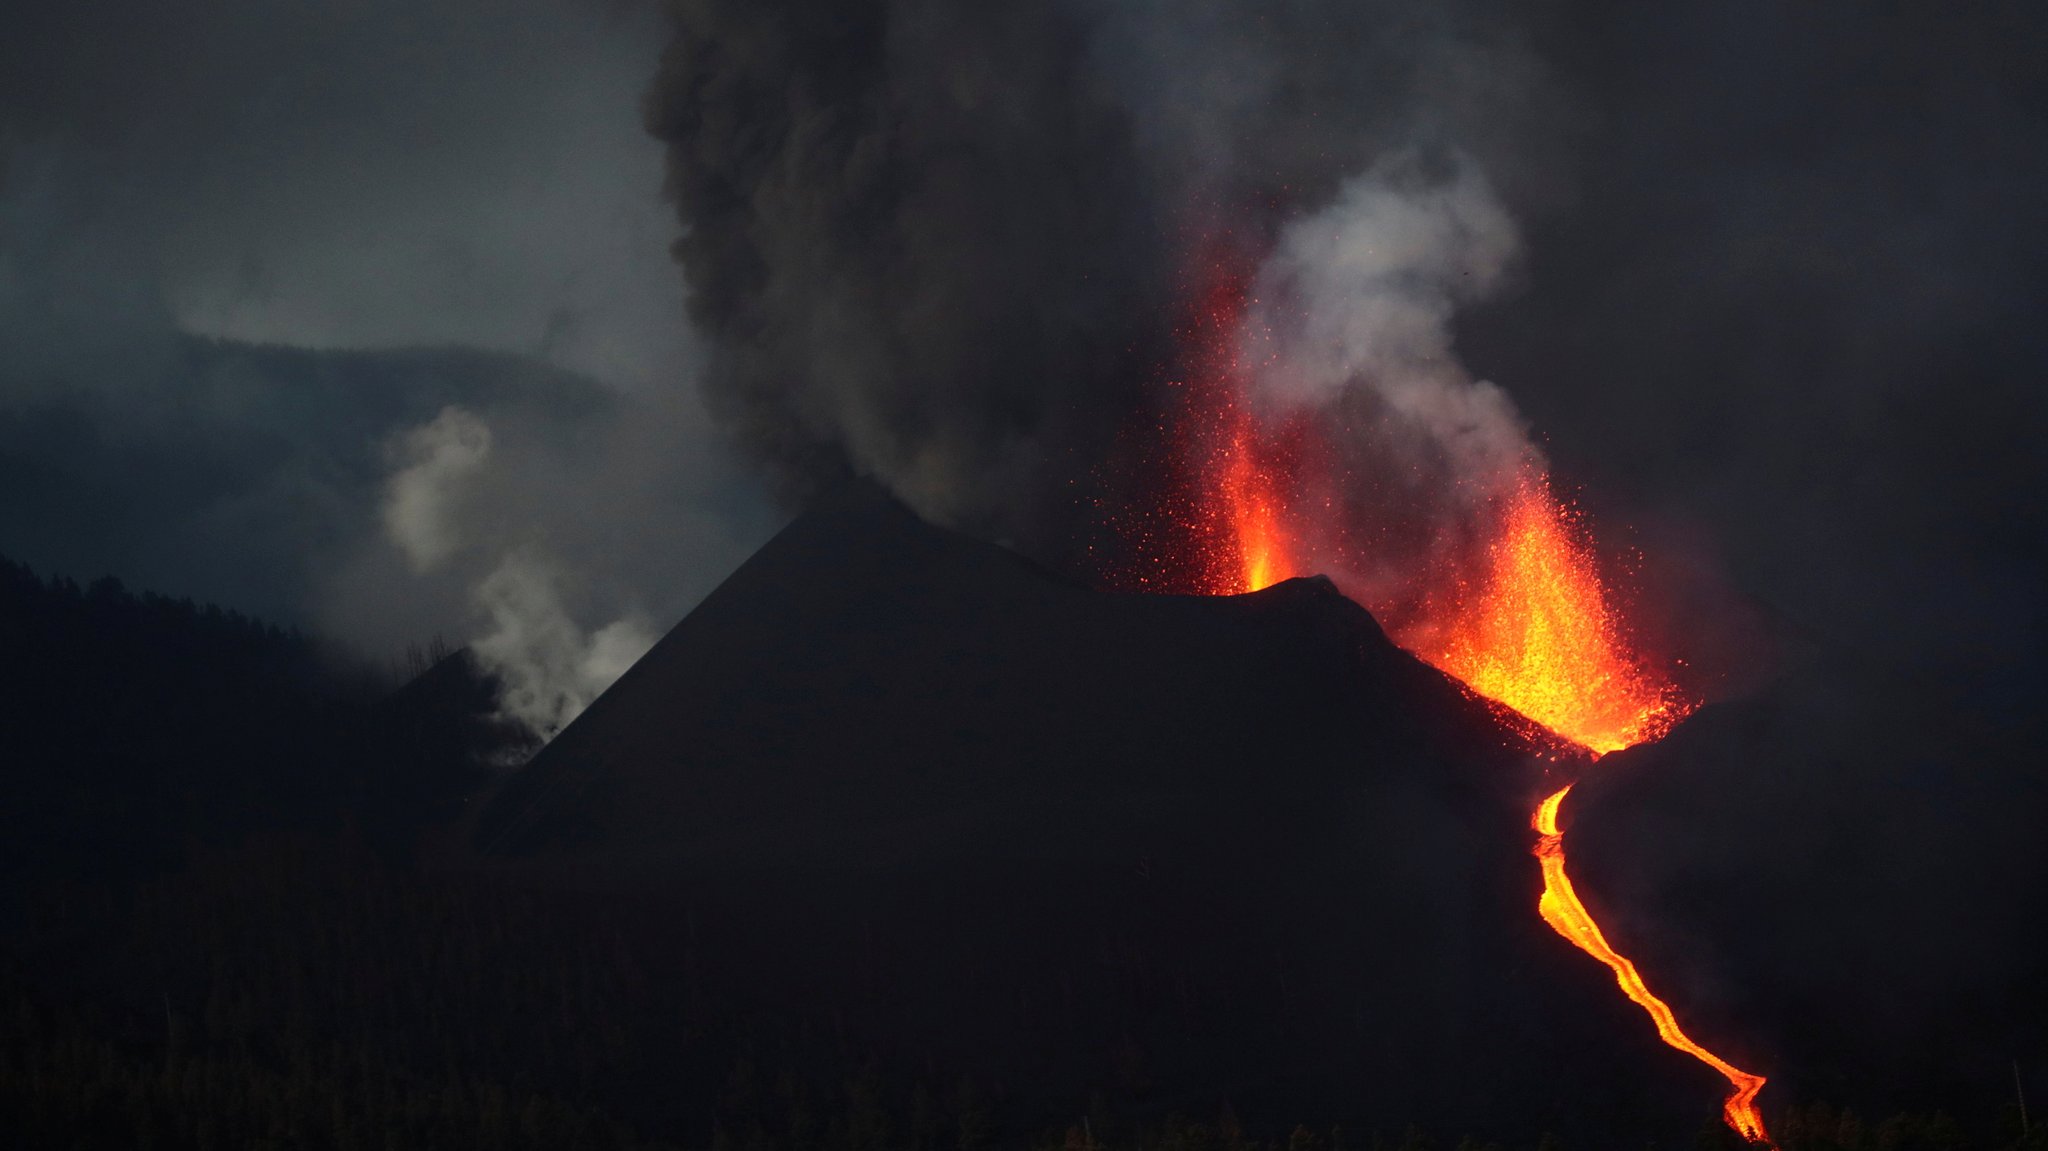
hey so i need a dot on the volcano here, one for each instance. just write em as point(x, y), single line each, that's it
point(895, 797)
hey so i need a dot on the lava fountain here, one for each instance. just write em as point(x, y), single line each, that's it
point(1540, 637)
point(1526, 623)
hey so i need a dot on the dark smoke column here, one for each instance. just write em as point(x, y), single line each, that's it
point(918, 238)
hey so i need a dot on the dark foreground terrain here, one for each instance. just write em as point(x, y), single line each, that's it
point(896, 841)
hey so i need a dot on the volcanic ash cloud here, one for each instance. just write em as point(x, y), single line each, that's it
point(1355, 306)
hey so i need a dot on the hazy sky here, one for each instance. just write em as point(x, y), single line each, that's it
point(1761, 253)
point(372, 174)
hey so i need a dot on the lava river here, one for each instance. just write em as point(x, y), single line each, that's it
point(1524, 621)
point(1538, 635)
point(1540, 639)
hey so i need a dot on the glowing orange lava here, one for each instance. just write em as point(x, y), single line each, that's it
point(1254, 518)
point(1561, 909)
point(1540, 637)
point(1535, 633)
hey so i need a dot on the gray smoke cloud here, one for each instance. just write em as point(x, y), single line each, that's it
point(438, 510)
point(948, 249)
point(1362, 294)
point(1349, 323)
point(919, 236)
point(549, 666)
point(435, 459)
point(334, 314)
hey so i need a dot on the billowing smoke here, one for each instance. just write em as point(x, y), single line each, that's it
point(921, 237)
point(435, 459)
point(549, 667)
point(957, 250)
point(948, 247)
point(328, 314)
point(439, 505)
point(1360, 296)
point(1347, 337)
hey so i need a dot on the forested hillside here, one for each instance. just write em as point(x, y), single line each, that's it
point(134, 728)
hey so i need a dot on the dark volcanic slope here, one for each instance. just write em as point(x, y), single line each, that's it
point(890, 794)
point(1858, 904)
point(868, 681)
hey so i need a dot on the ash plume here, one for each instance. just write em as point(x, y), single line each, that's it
point(920, 236)
point(1348, 328)
point(945, 248)
point(1360, 297)
point(955, 252)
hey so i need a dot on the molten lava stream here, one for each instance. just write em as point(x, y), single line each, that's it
point(1540, 638)
point(1533, 632)
point(1562, 910)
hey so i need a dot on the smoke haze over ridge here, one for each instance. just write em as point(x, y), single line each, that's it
point(246, 254)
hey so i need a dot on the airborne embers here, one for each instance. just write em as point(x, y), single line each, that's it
point(1529, 625)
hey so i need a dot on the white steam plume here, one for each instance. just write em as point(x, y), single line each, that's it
point(548, 665)
point(437, 459)
point(1360, 296)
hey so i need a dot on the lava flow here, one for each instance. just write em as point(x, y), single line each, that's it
point(1561, 909)
point(1541, 639)
point(1526, 624)
point(1538, 636)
